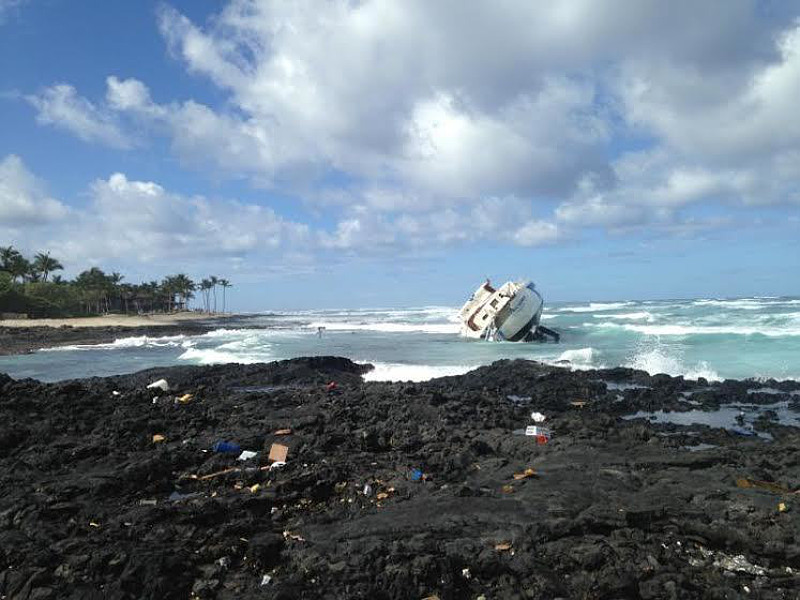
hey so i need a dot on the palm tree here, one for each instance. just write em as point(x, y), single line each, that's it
point(184, 288)
point(18, 266)
point(205, 287)
point(44, 264)
point(225, 285)
point(7, 255)
point(214, 283)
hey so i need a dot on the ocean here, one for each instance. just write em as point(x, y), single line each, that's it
point(711, 338)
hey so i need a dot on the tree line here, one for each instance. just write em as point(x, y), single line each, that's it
point(32, 286)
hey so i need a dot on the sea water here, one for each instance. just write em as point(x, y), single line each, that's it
point(710, 338)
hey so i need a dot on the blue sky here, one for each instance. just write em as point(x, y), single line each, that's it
point(394, 154)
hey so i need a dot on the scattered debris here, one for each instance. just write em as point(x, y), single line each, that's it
point(254, 488)
point(537, 417)
point(525, 474)
point(115, 393)
point(226, 447)
point(542, 434)
point(739, 564)
point(286, 431)
point(278, 453)
point(288, 535)
point(518, 399)
point(93, 524)
point(331, 387)
point(503, 546)
point(247, 455)
point(146, 502)
point(775, 488)
point(216, 474)
point(416, 475)
point(277, 465)
point(783, 507)
point(161, 384)
point(367, 491)
point(579, 403)
point(465, 573)
point(265, 580)
point(158, 438)
point(185, 399)
point(507, 489)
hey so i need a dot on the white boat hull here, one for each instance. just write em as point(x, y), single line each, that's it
point(510, 313)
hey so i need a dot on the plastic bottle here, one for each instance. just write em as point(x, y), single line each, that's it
point(226, 447)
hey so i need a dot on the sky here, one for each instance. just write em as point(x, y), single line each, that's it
point(384, 154)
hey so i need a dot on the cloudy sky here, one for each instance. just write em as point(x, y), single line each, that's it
point(384, 153)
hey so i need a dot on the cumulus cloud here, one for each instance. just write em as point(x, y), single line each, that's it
point(141, 222)
point(61, 106)
point(23, 199)
point(622, 115)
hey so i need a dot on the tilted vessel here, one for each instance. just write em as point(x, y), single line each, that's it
point(508, 313)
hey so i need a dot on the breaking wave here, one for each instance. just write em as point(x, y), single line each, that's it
point(633, 316)
point(213, 356)
point(593, 307)
point(659, 360)
point(402, 372)
point(442, 328)
point(687, 330)
point(142, 341)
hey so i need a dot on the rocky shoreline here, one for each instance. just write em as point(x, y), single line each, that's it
point(395, 490)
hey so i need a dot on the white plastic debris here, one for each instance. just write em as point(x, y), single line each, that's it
point(160, 384)
point(278, 464)
point(115, 393)
point(247, 455)
point(465, 573)
point(535, 430)
point(265, 580)
point(367, 490)
point(537, 417)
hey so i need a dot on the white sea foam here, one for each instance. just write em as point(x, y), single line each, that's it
point(142, 341)
point(211, 356)
point(223, 332)
point(580, 359)
point(633, 316)
point(593, 307)
point(404, 372)
point(686, 330)
point(659, 360)
point(384, 327)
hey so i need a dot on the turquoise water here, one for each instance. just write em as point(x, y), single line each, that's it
point(715, 339)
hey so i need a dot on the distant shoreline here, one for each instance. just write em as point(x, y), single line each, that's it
point(24, 336)
point(155, 320)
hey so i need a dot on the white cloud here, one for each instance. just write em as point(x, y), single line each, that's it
point(23, 199)
point(622, 115)
point(140, 222)
point(61, 106)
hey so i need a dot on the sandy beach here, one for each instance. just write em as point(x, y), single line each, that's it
point(156, 320)
point(394, 490)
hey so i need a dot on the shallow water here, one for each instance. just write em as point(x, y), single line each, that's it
point(715, 339)
point(739, 418)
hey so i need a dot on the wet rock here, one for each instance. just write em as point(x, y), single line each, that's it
point(618, 508)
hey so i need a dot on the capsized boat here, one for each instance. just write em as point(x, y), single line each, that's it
point(510, 312)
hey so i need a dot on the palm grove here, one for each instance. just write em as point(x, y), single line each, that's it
point(31, 286)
